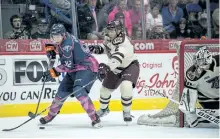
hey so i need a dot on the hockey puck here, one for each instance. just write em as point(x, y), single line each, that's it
point(41, 127)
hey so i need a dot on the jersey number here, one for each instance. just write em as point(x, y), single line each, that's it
point(68, 64)
point(214, 82)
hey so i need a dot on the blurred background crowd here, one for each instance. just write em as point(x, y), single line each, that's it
point(142, 19)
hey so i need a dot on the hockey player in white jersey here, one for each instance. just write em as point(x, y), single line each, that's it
point(122, 68)
point(202, 85)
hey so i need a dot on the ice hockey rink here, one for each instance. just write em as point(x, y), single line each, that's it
point(78, 126)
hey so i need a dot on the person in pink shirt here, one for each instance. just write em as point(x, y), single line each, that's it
point(120, 7)
point(135, 13)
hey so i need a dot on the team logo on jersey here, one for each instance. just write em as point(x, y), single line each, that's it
point(214, 82)
point(67, 48)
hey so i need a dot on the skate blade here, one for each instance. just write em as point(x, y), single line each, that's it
point(97, 126)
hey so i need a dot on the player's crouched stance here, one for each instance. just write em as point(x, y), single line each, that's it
point(81, 68)
point(122, 68)
point(202, 84)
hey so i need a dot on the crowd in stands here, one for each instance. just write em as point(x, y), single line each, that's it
point(163, 19)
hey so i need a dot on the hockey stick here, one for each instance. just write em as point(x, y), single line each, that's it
point(31, 118)
point(31, 114)
point(199, 112)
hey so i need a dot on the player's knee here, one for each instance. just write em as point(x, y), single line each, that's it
point(126, 93)
point(126, 89)
point(79, 91)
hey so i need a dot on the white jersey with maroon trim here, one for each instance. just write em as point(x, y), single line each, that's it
point(206, 82)
point(120, 53)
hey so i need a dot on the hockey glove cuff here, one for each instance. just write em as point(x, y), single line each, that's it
point(50, 51)
point(50, 75)
point(102, 71)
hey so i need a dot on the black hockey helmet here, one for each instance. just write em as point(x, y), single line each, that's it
point(57, 29)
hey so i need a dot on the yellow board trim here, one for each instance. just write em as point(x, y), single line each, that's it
point(14, 110)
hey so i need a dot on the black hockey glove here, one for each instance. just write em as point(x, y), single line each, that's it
point(96, 49)
point(50, 75)
point(102, 71)
point(50, 51)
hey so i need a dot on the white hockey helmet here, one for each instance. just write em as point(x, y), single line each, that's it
point(203, 58)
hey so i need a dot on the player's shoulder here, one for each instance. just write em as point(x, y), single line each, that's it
point(193, 73)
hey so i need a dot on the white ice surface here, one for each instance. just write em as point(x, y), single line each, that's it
point(79, 126)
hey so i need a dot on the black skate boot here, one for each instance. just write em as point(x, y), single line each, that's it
point(97, 123)
point(127, 117)
point(47, 119)
point(103, 112)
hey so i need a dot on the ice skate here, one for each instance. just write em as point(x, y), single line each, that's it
point(103, 112)
point(47, 119)
point(127, 117)
point(97, 123)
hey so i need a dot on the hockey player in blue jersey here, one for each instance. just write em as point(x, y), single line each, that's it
point(81, 68)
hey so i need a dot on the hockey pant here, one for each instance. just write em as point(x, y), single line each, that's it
point(72, 82)
point(126, 95)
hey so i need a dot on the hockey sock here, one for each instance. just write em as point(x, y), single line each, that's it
point(104, 102)
point(55, 106)
point(126, 103)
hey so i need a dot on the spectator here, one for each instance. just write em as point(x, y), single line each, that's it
point(17, 31)
point(42, 30)
point(181, 31)
point(157, 32)
point(135, 13)
point(215, 17)
point(137, 32)
point(171, 16)
point(120, 7)
point(88, 25)
point(153, 18)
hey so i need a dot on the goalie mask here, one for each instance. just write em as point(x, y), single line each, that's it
point(114, 29)
point(203, 58)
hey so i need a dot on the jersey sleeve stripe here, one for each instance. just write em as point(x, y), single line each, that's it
point(118, 53)
point(117, 58)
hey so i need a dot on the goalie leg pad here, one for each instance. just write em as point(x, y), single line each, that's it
point(105, 96)
point(188, 100)
point(126, 95)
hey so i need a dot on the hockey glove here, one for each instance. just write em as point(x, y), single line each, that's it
point(102, 71)
point(50, 51)
point(96, 49)
point(50, 75)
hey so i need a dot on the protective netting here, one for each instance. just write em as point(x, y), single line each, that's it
point(170, 115)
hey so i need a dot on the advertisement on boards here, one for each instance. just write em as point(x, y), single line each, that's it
point(21, 82)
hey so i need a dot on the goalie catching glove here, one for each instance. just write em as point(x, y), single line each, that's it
point(102, 71)
point(50, 51)
point(50, 75)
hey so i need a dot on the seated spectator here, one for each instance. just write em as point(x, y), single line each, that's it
point(215, 21)
point(42, 30)
point(153, 18)
point(17, 31)
point(135, 13)
point(137, 32)
point(88, 25)
point(158, 32)
point(120, 7)
point(181, 31)
point(171, 16)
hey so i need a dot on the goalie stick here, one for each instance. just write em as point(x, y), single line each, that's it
point(199, 112)
point(31, 118)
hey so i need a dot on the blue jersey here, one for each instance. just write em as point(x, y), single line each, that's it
point(75, 56)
